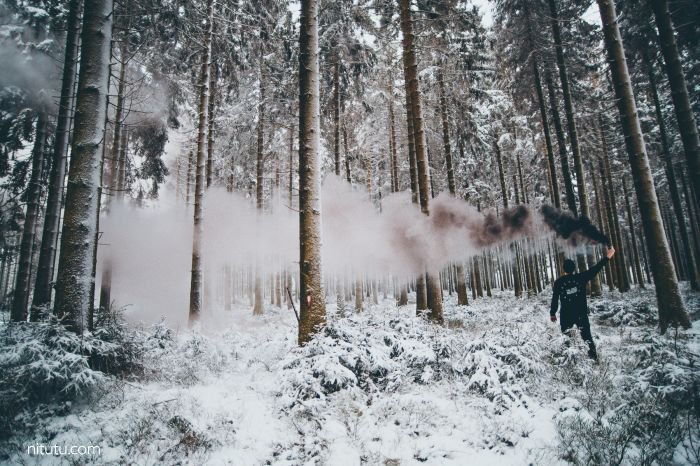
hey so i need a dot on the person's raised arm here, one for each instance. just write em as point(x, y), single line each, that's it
point(590, 273)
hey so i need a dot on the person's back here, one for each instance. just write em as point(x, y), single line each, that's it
point(570, 289)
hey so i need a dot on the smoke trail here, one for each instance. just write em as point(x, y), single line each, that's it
point(574, 229)
point(151, 247)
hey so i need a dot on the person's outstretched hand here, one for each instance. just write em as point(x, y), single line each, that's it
point(611, 252)
point(553, 318)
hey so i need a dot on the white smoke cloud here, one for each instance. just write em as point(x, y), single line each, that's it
point(152, 247)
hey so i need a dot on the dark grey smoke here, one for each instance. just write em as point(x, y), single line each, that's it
point(574, 229)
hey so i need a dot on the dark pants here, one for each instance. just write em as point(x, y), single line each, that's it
point(584, 326)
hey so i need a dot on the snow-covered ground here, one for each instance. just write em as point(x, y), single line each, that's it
point(497, 385)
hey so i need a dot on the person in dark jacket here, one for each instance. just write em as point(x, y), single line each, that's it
point(570, 289)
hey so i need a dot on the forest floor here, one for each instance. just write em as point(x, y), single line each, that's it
point(497, 385)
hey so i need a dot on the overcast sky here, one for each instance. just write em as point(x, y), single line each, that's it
point(591, 15)
point(485, 6)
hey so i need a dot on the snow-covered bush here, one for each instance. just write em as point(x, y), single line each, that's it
point(183, 361)
point(44, 366)
point(639, 416)
point(635, 309)
point(373, 353)
point(127, 355)
point(42, 363)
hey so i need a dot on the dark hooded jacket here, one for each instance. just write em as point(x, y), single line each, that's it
point(571, 291)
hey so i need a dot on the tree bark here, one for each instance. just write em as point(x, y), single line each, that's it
point(679, 93)
point(259, 184)
point(200, 177)
point(412, 170)
point(112, 176)
point(312, 308)
point(673, 183)
point(412, 88)
point(620, 259)
point(569, 109)
point(603, 226)
point(559, 131)
point(446, 134)
point(392, 138)
point(49, 237)
point(211, 109)
point(635, 252)
point(74, 281)
point(20, 301)
point(336, 113)
point(672, 310)
point(347, 155)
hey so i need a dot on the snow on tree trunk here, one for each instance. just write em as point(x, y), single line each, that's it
point(312, 307)
point(572, 132)
point(446, 134)
point(49, 237)
point(336, 113)
point(20, 301)
point(679, 92)
point(259, 184)
point(672, 182)
point(211, 109)
point(432, 281)
point(559, 131)
point(633, 235)
point(671, 307)
point(200, 177)
point(112, 176)
point(74, 280)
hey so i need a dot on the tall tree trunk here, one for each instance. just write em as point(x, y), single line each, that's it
point(693, 218)
point(569, 109)
point(554, 183)
point(603, 226)
point(291, 167)
point(313, 308)
point(347, 155)
point(200, 177)
point(20, 300)
point(462, 298)
point(211, 109)
point(49, 237)
point(336, 113)
point(501, 173)
point(673, 183)
point(620, 258)
point(74, 281)
point(679, 92)
point(259, 185)
point(112, 176)
point(392, 138)
point(446, 134)
point(412, 170)
point(670, 303)
point(559, 131)
point(410, 73)
point(635, 252)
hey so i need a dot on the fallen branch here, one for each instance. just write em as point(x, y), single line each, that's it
point(291, 300)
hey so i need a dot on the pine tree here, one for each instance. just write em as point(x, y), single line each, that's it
point(671, 307)
point(49, 237)
point(432, 280)
point(312, 313)
point(200, 175)
point(74, 280)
